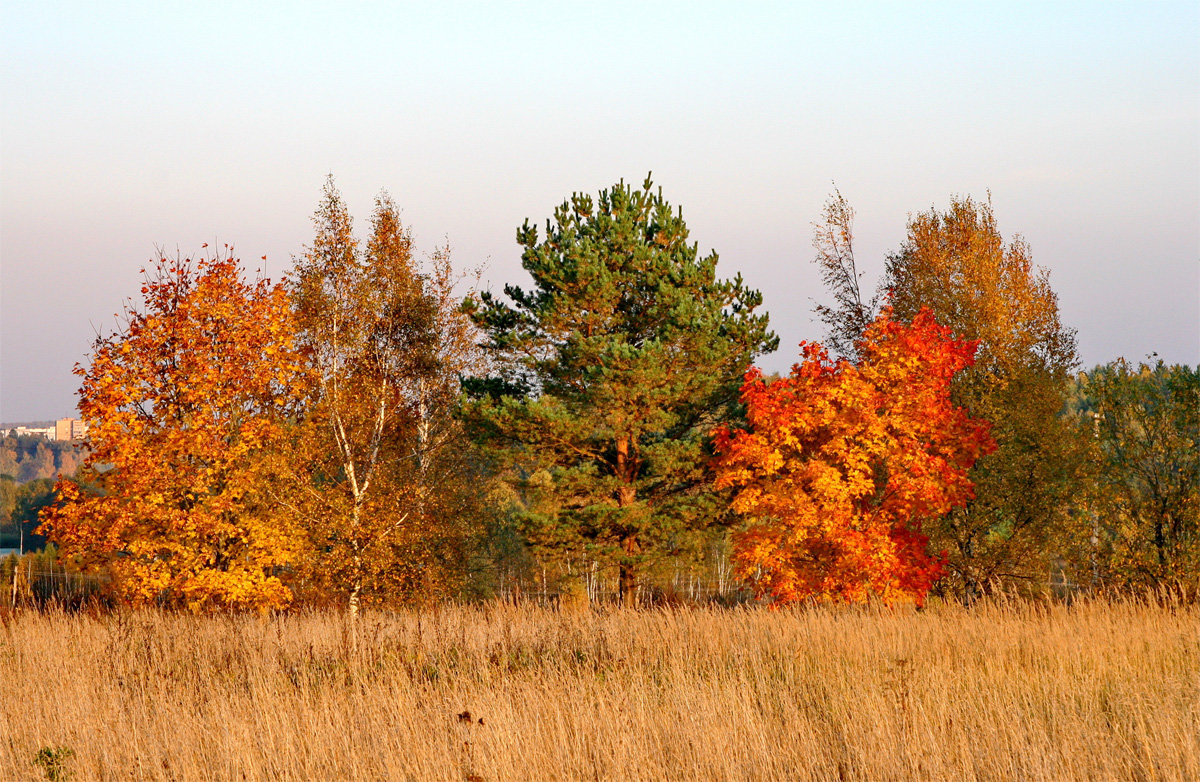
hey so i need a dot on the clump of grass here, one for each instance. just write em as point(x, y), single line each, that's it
point(54, 762)
point(1104, 690)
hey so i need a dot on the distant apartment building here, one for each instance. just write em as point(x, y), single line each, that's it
point(69, 429)
point(45, 432)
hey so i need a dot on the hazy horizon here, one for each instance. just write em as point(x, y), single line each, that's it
point(132, 127)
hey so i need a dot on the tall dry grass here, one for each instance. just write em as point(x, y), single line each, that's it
point(1023, 691)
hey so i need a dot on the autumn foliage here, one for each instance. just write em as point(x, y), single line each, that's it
point(184, 405)
point(361, 435)
point(381, 482)
point(841, 462)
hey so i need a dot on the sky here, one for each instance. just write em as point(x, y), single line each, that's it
point(128, 127)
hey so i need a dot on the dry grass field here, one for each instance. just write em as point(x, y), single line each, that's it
point(1017, 691)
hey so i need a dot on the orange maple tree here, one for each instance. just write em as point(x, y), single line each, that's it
point(841, 462)
point(184, 405)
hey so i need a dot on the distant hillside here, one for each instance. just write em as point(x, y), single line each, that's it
point(30, 458)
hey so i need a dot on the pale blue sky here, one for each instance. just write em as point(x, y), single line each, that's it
point(126, 126)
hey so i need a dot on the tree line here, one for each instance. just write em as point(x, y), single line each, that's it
point(27, 458)
point(28, 468)
point(365, 432)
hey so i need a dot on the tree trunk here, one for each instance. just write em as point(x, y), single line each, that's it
point(352, 611)
point(422, 450)
point(352, 617)
point(357, 577)
point(627, 585)
point(626, 469)
point(1160, 545)
point(970, 584)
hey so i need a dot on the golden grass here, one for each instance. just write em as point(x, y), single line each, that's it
point(1023, 691)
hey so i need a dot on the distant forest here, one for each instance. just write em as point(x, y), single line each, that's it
point(28, 467)
point(27, 458)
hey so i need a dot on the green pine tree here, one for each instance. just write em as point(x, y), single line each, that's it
point(610, 374)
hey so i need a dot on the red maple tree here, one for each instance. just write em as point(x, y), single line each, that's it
point(841, 462)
